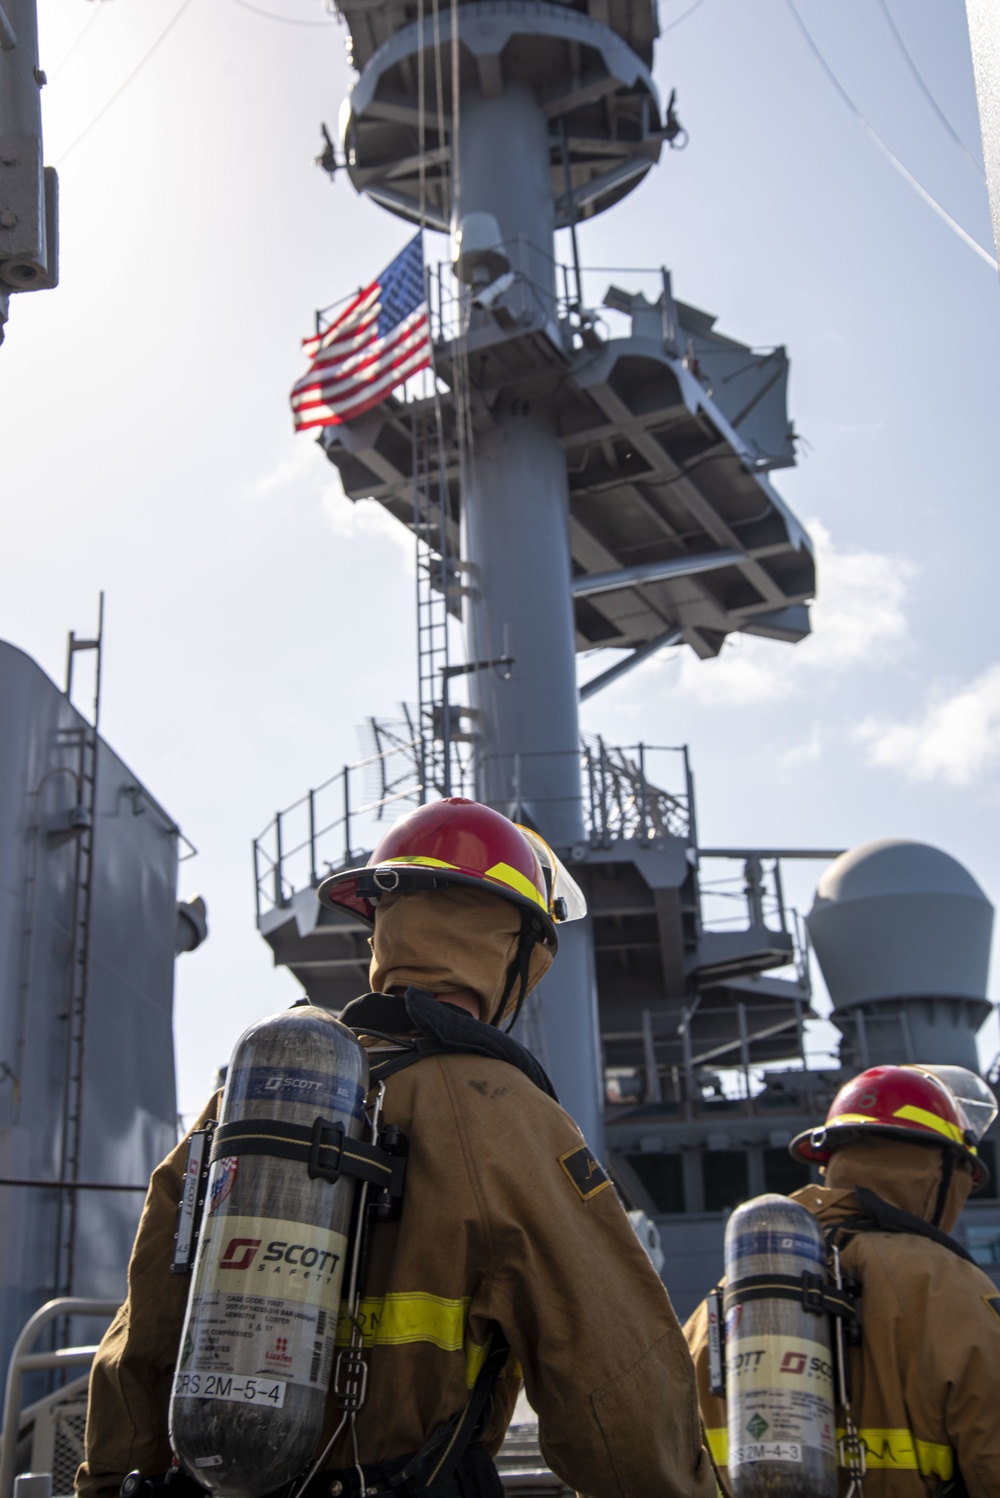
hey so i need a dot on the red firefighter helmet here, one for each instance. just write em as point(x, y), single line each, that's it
point(456, 841)
point(897, 1102)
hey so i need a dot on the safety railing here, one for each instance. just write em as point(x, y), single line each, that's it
point(755, 898)
point(534, 287)
point(322, 829)
point(23, 1361)
point(622, 801)
point(700, 1060)
point(341, 818)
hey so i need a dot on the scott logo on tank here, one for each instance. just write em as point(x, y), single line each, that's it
point(240, 1253)
point(281, 1083)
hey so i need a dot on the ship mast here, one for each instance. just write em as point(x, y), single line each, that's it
point(586, 491)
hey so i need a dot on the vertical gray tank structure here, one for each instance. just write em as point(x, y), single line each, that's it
point(89, 928)
point(568, 490)
point(29, 191)
point(902, 935)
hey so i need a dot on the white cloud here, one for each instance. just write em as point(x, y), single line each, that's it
point(805, 752)
point(956, 739)
point(858, 619)
point(304, 465)
point(366, 520)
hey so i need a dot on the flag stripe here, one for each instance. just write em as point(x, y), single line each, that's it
point(370, 359)
point(348, 411)
point(375, 343)
point(346, 400)
point(327, 396)
point(355, 310)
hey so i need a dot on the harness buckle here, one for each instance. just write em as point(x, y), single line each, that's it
point(350, 1378)
point(326, 1136)
point(813, 1293)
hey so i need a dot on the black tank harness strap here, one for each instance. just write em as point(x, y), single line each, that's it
point(424, 1026)
point(809, 1290)
point(878, 1216)
point(441, 1455)
point(325, 1149)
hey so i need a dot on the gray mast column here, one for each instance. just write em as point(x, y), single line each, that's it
point(516, 563)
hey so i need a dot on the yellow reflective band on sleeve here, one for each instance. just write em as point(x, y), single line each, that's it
point(935, 1460)
point(515, 880)
point(900, 1451)
point(717, 1437)
point(930, 1121)
point(414, 1316)
point(886, 1449)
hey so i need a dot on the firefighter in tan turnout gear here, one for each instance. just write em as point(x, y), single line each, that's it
point(510, 1234)
point(898, 1153)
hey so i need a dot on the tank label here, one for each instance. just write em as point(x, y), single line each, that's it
point(749, 1245)
point(294, 1084)
point(766, 1451)
point(774, 1362)
point(781, 1396)
point(269, 1392)
point(260, 1319)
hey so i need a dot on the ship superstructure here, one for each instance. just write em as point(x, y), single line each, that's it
point(586, 471)
point(568, 489)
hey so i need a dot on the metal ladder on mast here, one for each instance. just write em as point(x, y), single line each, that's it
point(430, 524)
point(85, 741)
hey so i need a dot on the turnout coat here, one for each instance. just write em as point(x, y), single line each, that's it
point(925, 1383)
point(508, 1222)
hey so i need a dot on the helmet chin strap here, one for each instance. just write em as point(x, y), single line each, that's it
point(520, 967)
point(947, 1171)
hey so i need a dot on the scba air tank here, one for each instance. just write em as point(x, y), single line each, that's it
point(779, 1364)
point(249, 1392)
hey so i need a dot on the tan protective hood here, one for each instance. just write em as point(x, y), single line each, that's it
point(907, 1175)
point(447, 940)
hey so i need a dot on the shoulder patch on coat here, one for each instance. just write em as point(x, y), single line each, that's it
point(993, 1301)
point(584, 1171)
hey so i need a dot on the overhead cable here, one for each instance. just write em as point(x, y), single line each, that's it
point(886, 150)
point(270, 15)
point(689, 12)
point(96, 11)
point(960, 143)
point(131, 77)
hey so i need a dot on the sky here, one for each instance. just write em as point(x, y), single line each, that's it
point(255, 618)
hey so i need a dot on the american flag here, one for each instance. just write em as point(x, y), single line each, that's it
point(378, 340)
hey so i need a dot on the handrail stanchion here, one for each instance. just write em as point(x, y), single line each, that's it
point(21, 1361)
point(643, 807)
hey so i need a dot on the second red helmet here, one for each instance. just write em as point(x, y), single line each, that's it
point(897, 1102)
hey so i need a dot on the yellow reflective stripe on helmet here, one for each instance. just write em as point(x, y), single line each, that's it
point(885, 1449)
point(849, 1118)
point(515, 880)
point(414, 1316)
point(931, 1121)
